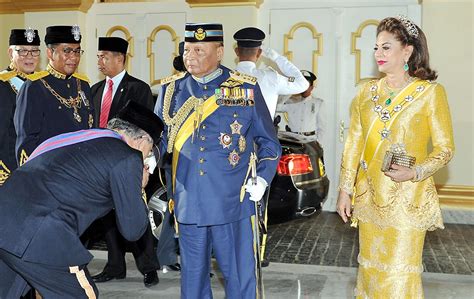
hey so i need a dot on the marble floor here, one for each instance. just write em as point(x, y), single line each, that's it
point(316, 258)
point(281, 281)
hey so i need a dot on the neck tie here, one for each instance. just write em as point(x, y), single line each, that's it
point(106, 103)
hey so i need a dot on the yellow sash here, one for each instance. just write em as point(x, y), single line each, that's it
point(373, 139)
point(186, 130)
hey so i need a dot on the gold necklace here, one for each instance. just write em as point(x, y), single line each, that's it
point(174, 123)
point(392, 92)
point(384, 114)
point(74, 103)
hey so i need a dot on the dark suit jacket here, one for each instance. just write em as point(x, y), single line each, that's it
point(130, 88)
point(50, 201)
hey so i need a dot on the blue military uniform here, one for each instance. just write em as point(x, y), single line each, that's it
point(212, 125)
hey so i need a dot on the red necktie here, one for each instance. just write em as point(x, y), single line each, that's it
point(106, 103)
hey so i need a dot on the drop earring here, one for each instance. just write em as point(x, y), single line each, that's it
point(405, 67)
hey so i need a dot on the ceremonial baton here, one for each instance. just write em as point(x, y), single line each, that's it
point(258, 208)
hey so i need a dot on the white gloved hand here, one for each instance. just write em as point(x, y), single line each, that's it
point(256, 191)
point(270, 54)
point(151, 162)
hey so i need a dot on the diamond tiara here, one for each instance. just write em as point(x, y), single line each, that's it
point(409, 26)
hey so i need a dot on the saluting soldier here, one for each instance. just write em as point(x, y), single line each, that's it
point(249, 42)
point(304, 112)
point(56, 100)
point(213, 116)
point(24, 54)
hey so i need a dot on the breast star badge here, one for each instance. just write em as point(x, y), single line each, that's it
point(234, 158)
point(235, 127)
point(225, 140)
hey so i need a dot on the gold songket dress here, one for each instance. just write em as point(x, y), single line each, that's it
point(394, 217)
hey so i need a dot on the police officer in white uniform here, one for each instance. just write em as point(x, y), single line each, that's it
point(271, 82)
point(304, 112)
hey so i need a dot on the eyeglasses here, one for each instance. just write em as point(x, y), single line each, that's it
point(24, 52)
point(68, 51)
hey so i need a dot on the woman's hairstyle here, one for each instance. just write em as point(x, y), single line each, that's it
point(128, 129)
point(408, 33)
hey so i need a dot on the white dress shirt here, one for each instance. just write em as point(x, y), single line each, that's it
point(116, 79)
point(272, 83)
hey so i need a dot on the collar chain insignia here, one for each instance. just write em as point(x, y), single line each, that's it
point(383, 111)
point(74, 103)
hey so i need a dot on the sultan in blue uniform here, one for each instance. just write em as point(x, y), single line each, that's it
point(214, 119)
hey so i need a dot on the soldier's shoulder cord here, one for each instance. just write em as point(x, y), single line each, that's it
point(171, 78)
point(243, 77)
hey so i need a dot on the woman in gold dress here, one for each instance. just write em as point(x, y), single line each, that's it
point(406, 115)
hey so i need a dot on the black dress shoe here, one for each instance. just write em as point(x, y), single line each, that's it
point(174, 267)
point(104, 276)
point(150, 279)
point(265, 263)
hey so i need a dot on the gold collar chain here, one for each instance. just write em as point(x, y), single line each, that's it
point(74, 103)
point(174, 123)
point(384, 114)
point(55, 73)
point(19, 73)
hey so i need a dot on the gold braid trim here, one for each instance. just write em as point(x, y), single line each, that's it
point(174, 123)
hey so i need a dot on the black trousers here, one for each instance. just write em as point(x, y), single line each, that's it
point(52, 282)
point(143, 249)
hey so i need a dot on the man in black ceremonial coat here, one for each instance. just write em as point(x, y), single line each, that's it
point(24, 55)
point(73, 179)
point(56, 100)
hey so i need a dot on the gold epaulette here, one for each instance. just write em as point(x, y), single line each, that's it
point(82, 77)
point(243, 77)
point(37, 75)
point(171, 78)
point(5, 76)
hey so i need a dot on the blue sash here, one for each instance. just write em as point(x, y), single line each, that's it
point(71, 138)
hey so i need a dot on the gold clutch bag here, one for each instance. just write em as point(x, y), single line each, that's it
point(397, 158)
